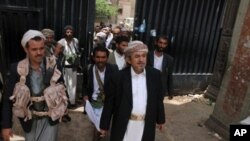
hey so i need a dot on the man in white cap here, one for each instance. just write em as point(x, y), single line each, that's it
point(27, 87)
point(134, 99)
point(50, 43)
point(99, 39)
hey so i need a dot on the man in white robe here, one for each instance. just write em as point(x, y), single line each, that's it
point(70, 52)
point(134, 99)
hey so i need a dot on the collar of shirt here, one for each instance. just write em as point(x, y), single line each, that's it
point(133, 74)
point(40, 69)
point(95, 67)
point(158, 56)
point(118, 55)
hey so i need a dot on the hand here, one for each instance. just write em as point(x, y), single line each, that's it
point(103, 133)
point(160, 127)
point(85, 98)
point(7, 133)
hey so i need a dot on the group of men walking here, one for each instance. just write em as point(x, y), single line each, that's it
point(125, 87)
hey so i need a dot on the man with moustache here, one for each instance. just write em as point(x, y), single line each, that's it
point(117, 57)
point(58, 53)
point(71, 54)
point(96, 78)
point(33, 85)
point(134, 99)
point(49, 42)
point(163, 62)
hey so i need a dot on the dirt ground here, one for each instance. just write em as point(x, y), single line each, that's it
point(185, 117)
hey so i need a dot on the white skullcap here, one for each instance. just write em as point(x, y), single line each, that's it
point(48, 32)
point(101, 34)
point(135, 46)
point(29, 35)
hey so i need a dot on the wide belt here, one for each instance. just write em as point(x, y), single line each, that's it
point(40, 114)
point(137, 117)
point(37, 99)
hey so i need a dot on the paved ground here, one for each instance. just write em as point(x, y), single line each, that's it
point(185, 117)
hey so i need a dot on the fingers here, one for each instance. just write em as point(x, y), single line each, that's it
point(160, 127)
point(6, 138)
point(85, 98)
point(103, 133)
point(7, 133)
point(11, 133)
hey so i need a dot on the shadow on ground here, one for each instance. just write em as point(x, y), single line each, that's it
point(185, 117)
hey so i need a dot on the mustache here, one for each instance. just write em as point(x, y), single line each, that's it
point(39, 56)
point(100, 63)
point(141, 63)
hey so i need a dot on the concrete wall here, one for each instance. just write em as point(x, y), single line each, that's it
point(233, 101)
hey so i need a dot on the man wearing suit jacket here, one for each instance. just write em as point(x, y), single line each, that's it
point(1, 92)
point(134, 99)
point(96, 79)
point(163, 62)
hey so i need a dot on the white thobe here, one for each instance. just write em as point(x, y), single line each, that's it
point(135, 128)
point(120, 60)
point(158, 62)
point(97, 111)
point(109, 39)
point(70, 76)
point(96, 85)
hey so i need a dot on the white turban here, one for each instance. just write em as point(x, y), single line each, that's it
point(29, 35)
point(101, 34)
point(48, 32)
point(135, 46)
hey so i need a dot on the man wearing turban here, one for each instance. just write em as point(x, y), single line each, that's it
point(134, 99)
point(32, 74)
point(50, 43)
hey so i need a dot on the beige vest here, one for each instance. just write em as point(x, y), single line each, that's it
point(54, 95)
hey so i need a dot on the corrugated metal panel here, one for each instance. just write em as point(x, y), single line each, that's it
point(17, 16)
point(13, 23)
point(2, 64)
point(192, 25)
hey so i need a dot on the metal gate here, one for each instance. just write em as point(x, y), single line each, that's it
point(194, 27)
point(16, 17)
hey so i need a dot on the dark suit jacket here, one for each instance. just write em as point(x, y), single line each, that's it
point(118, 103)
point(167, 70)
point(6, 112)
point(1, 93)
point(88, 82)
